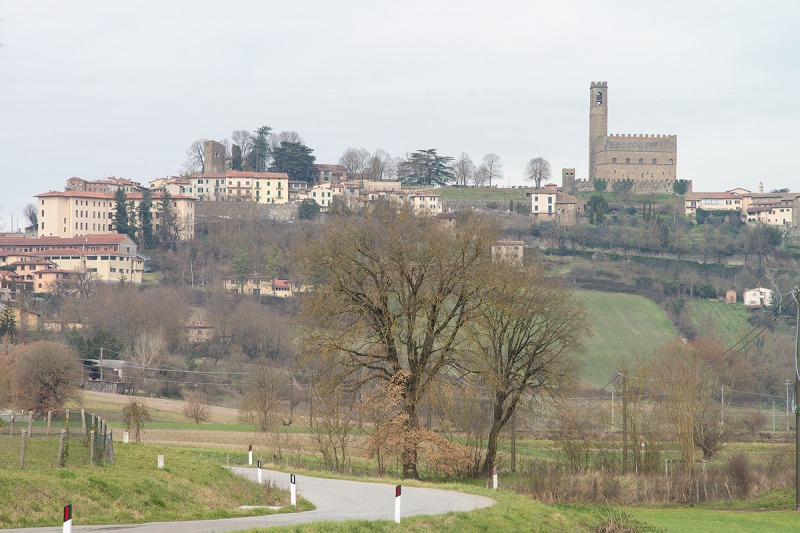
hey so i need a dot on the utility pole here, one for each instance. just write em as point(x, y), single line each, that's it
point(624, 425)
point(101, 364)
point(612, 409)
point(721, 408)
point(787, 406)
point(797, 414)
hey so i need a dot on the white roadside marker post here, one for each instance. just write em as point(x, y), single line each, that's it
point(250, 454)
point(293, 488)
point(259, 471)
point(124, 437)
point(160, 461)
point(397, 504)
point(68, 519)
point(494, 478)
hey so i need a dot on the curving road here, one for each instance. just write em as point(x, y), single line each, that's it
point(335, 499)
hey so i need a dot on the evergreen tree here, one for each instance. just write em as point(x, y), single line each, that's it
point(426, 167)
point(166, 231)
point(146, 220)
point(275, 265)
point(120, 223)
point(8, 322)
point(242, 265)
point(295, 159)
point(132, 228)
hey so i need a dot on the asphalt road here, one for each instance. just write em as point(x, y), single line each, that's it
point(335, 499)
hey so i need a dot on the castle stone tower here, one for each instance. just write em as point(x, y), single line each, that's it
point(214, 157)
point(598, 123)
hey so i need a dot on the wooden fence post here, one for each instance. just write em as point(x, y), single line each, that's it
point(49, 419)
point(22, 451)
point(61, 448)
point(91, 447)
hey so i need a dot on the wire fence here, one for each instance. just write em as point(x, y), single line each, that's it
point(72, 437)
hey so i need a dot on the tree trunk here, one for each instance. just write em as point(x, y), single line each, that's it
point(494, 434)
point(411, 446)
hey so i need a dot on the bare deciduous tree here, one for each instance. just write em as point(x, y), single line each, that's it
point(46, 376)
point(379, 166)
point(196, 407)
point(538, 171)
point(355, 161)
point(393, 293)
point(493, 166)
point(463, 169)
point(244, 140)
point(195, 157)
point(527, 336)
point(134, 414)
point(481, 176)
point(261, 403)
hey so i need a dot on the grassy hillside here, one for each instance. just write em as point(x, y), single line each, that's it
point(723, 320)
point(481, 193)
point(622, 324)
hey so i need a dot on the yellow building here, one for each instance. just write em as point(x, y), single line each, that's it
point(68, 214)
point(270, 187)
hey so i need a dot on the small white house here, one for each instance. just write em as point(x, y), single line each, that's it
point(758, 297)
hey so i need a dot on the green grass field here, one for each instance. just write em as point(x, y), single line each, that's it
point(622, 324)
point(132, 490)
point(481, 193)
point(687, 520)
point(725, 321)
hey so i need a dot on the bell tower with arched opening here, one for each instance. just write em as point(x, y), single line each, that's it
point(598, 123)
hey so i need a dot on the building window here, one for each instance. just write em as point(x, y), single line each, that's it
point(599, 98)
point(641, 161)
point(642, 175)
point(628, 160)
point(613, 159)
point(654, 161)
point(670, 162)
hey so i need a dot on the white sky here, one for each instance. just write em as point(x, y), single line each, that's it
point(94, 89)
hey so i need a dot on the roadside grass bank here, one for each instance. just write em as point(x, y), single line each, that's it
point(133, 490)
point(512, 512)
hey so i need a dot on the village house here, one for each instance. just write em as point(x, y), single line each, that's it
point(508, 251)
point(68, 214)
point(330, 173)
point(757, 298)
point(550, 204)
point(712, 201)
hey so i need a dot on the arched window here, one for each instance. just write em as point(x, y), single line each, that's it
point(628, 160)
point(641, 161)
point(599, 98)
point(654, 161)
point(613, 159)
point(670, 162)
point(642, 175)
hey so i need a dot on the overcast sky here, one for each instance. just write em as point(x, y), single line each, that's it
point(95, 89)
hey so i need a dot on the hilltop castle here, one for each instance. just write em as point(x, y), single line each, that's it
point(649, 158)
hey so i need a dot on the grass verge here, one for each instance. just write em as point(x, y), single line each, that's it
point(133, 490)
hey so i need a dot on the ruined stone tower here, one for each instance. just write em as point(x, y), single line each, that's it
point(213, 157)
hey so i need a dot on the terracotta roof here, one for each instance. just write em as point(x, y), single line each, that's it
point(509, 243)
point(701, 195)
point(564, 198)
point(106, 195)
point(113, 238)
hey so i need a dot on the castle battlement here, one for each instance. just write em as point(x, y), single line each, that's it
point(618, 136)
point(598, 84)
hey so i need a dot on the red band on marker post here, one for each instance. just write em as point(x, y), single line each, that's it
point(494, 470)
point(397, 491)
point(68, 512)
point(250, 449)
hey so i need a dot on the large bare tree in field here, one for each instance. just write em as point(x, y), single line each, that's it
point(526, 337)
point(392, 294)
point(493, 167)
point(537, 170)
point(463, 169)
